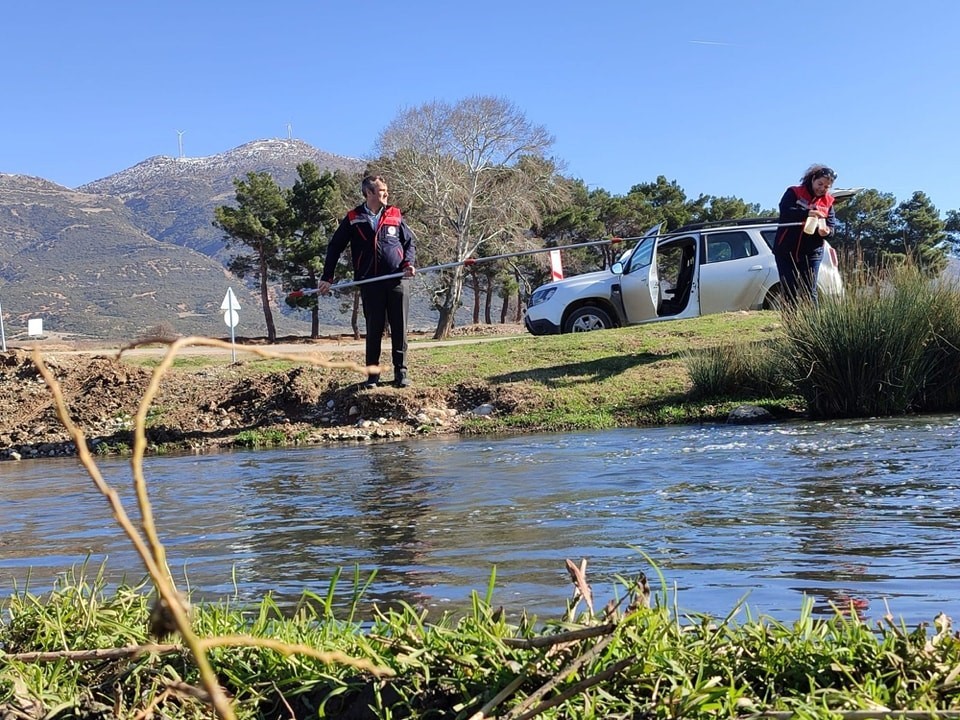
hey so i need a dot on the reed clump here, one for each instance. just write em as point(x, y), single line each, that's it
point(738, 370)
point(889, 346)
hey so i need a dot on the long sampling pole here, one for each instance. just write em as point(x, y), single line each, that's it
point(468, 261)
point(490, 258)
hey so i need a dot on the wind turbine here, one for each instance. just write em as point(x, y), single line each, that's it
point(180, 141)
point(289, 131)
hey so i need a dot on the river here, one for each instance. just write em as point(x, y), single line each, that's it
point(861, 511)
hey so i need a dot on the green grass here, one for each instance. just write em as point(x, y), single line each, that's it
point(639, 661)
point(118, 448)
point(181, 362)
point(613, 378)
point(270, 437)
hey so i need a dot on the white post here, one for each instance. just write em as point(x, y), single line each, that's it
point(233, 342)
point(231, 317)
point(3, 337)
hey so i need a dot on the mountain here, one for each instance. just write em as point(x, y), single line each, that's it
point(172, 199)
point(137, 251)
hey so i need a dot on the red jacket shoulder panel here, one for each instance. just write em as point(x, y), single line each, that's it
point(825, 202)
point(391, 216)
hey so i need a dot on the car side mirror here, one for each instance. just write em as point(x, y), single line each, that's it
point(617, 268)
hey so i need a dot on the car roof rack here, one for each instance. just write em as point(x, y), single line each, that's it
point(727, 223)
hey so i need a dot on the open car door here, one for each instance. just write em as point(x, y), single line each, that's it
point(639, 281)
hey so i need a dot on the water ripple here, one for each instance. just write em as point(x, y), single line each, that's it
point(848, 510)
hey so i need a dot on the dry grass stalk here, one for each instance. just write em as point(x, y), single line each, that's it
point(578, 574)
point(148, 545)
point(119, 653)
point(529, 707)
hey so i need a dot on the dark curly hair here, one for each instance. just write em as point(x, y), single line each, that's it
point(817, 171)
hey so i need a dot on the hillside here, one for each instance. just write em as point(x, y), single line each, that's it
point(137, 250)
point(82, 264)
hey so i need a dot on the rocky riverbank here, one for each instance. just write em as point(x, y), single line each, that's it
point(217, 406)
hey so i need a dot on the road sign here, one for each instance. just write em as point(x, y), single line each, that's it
point(229, 301)
point(231, 317)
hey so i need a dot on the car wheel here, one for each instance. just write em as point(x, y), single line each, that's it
point(586, 319)
point(774, 299)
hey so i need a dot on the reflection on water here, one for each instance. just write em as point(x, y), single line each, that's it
point(861, 512)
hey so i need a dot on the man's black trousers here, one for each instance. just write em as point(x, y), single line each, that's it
point(383, 302)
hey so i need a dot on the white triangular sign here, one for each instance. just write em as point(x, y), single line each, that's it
point(229, 301)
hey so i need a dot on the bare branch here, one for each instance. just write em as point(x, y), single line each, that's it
point(475, 174)
point(148, 546)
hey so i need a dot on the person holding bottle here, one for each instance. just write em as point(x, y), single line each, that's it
point(806, 218)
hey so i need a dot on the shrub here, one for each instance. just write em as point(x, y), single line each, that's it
point(890, 346)
point(753, 369)
point(883, 349)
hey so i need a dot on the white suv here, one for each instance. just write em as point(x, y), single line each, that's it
point(697, 270)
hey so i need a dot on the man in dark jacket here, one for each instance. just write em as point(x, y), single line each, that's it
point(380, 244)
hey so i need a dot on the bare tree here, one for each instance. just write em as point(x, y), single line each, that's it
point(475, 175)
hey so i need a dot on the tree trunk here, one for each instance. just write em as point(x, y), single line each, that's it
point(488, 302)
point(314, 311)
point(504, 309)
point(475, 281)
point(519, 315)
point(449, 304)
point(355, 316)
point(265, 299)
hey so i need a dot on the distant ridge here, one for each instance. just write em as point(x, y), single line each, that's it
point(11, 180)
point(173, 198)
point(274, 156)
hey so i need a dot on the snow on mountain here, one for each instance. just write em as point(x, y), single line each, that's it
point(279, 157)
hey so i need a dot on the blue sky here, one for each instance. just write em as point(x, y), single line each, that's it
point(729, 98)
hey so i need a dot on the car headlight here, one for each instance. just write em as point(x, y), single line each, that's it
point(541, 295)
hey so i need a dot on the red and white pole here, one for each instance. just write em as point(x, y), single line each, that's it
point(556, 266)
